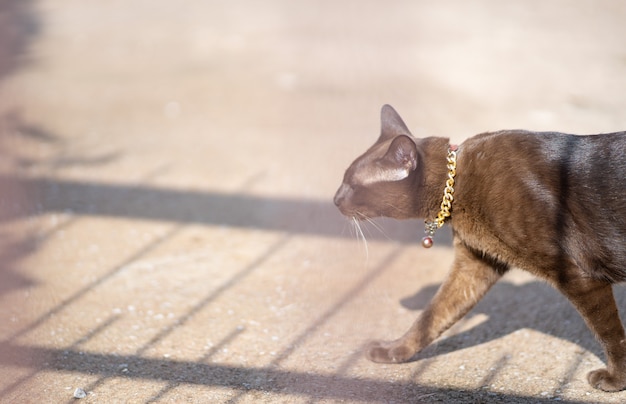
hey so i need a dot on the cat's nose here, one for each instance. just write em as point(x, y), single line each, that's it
point(341, 194)
point(338, 198)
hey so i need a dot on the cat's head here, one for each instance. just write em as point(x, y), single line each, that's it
point(381, 182)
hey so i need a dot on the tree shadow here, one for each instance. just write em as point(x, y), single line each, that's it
point(18, 26)
point(19, 200)
point(32, 135)
point(12, 249)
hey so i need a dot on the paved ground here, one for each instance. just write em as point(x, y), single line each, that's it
point(166, 180)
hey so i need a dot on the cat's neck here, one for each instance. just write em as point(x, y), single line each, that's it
point(431, 185)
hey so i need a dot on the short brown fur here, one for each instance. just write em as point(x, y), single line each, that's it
point(549, 203)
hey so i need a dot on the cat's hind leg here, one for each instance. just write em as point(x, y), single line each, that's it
point(594, 300)
point(470, 278)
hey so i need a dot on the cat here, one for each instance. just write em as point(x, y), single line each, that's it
point(549, 203)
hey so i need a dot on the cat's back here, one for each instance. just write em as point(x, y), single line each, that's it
point(554, 143)
point(561, 190)
point(576, 159)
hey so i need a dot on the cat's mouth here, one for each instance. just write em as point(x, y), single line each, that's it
point(357, 215)
point(353, 214)
point(344, 200)
point(350, 211)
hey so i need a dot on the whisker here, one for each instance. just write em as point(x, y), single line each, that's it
point(377, 227)
point(360, 234)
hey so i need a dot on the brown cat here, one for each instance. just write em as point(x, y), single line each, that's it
point(549, 203)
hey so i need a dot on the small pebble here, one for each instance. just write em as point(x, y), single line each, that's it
point(79, 393)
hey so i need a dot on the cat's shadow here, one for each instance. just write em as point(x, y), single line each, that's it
point(509, 307)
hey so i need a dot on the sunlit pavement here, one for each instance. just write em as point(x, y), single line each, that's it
point(166, 184)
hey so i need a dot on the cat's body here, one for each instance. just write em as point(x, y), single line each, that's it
point(549, 203)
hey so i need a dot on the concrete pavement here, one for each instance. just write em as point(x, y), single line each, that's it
point(167, 174)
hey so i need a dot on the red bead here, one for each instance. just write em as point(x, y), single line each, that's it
point(427, 242)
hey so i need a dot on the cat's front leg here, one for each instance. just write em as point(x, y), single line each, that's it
point(468, 281)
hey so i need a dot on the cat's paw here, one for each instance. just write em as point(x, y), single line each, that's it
point(389, 352)
point(603, 380)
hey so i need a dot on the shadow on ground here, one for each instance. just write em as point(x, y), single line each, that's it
point(534, 305)
point(18, 26)
point(295, 216)
point(246, 379)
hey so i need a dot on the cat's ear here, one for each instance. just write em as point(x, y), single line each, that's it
point(402, 157)
point(391, 125)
